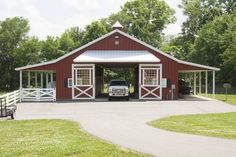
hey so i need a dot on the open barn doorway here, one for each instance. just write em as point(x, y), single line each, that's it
point(104, 73)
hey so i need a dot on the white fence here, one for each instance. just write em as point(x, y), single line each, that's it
point(10, 98)
point(38, 94)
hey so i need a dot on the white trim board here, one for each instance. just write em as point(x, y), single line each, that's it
point(128, 36)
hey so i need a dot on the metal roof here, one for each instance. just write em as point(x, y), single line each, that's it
point(116, 56)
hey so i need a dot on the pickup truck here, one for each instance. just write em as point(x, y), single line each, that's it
point(118, 89)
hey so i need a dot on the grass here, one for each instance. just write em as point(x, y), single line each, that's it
point(231, 99)
point(54, 138)
point(216, 125)
point(2, 93)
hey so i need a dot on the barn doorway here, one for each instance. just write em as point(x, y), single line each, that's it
point(104, 73)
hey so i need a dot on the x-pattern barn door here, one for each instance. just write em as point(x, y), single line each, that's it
point(83, 81)
point(150, 77)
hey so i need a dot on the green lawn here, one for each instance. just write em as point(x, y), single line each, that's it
point(217, 125)
point(231, 99)
point(2, 93)
point(54, 138)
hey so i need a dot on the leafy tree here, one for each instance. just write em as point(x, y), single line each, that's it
point(75, 34)
point(215, 46)
point(199, 13)
point(66, 42)
point(28, 52)
point(93, 31)
point(12, 33)
point(144, 19)
point(50, 49)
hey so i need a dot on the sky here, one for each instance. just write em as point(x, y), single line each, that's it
point(53, 17)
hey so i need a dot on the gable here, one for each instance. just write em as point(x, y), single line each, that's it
point(126, 42)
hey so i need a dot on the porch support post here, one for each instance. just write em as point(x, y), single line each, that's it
point(47, 80)
point(200, 82)
point(190, 79)
point(213, 84)
point(20, 83)
point(20, 79)
point(51, 77)
point(28, 79)
point(194, 85)
point(206, 82)
point(36, 79)
point(41, 80)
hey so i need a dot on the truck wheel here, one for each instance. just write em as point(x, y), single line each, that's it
point(12, 116)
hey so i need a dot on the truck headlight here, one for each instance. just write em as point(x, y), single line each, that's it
point(110, 90)
point(126, 90)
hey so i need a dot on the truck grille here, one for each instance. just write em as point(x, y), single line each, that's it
point(118, 91)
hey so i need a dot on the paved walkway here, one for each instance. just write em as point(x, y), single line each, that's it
point(124, 123)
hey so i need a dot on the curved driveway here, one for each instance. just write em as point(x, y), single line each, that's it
point(124, 123)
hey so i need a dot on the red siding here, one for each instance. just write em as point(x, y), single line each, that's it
point(63, 67)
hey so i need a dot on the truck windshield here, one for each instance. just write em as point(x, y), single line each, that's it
point(118, 83)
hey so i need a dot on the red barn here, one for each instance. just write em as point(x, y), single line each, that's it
point(79, 74)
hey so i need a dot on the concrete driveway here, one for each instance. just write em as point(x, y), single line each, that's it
point(124, 123)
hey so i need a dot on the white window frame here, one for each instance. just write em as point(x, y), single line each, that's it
point(157, 80)
point(76, 74)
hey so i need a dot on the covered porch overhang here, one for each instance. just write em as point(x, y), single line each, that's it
point(37, 85)
point(196, 73)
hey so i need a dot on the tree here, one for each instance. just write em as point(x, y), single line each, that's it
point(28, 52)
point(75, 34)
point(93, 31)
point(144, 19)
point(50, 49)
point(199, 13)
point(12, 33)
point(215, 46)
point(66, 42)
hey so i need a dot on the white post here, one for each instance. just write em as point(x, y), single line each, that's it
point(46, 80)
point(194, 85)
point(206, 82)
point(200, 82)
point(213, 84)
point(28, 79)
point(41, 79)
point(20, 83)
point(36, 79)
point(20, 79)
point(190, 79)
point(51, 77)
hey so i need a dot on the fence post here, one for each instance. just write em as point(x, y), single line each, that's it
point(15, 97)
point(7, 99)
point(37, 94)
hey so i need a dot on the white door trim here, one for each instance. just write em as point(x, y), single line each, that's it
point(159, 82)
point(91, 69)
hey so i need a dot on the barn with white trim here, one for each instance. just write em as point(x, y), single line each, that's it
point(79, 74)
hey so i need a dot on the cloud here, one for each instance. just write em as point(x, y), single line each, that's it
point(55, 16)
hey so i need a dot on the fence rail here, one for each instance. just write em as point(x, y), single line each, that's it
point(10, 98)
point(38, 94)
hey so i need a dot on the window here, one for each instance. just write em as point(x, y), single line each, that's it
point(83, 77)
point(150, 77)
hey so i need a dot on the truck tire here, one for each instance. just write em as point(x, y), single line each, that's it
point(12, 116)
